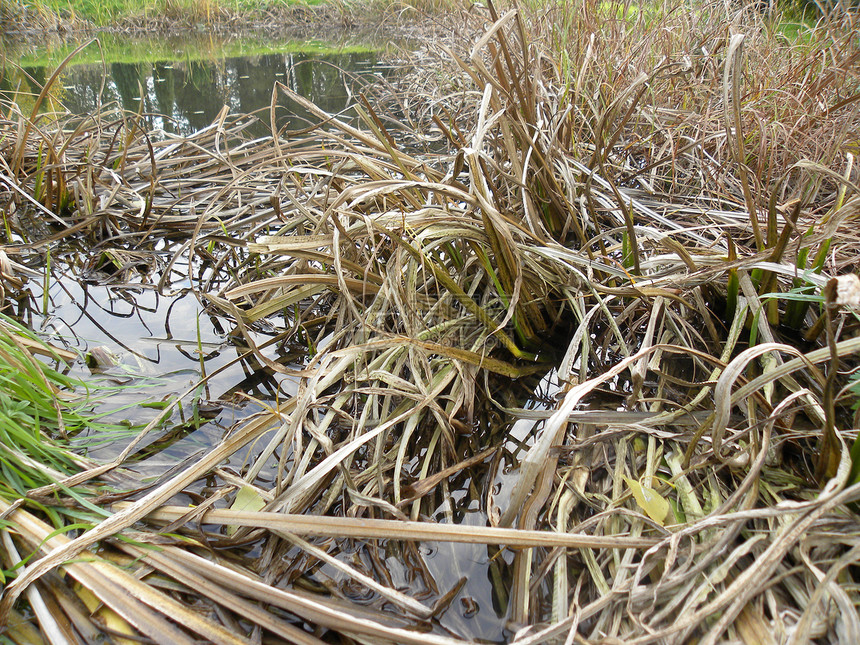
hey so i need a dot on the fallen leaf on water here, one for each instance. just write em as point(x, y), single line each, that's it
point(247, 499)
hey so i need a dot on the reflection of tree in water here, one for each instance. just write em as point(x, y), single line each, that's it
point(191, 93)
point(164, 85)
point(26, 80)
point(83, 84)
point(323, 80)
point(199, 92)
point(130, 82)
point(35, 78)
point(24, 84)
point(255, 77)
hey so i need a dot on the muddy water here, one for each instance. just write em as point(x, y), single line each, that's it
point(156, 345)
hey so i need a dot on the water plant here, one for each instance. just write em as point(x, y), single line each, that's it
point(34, 417)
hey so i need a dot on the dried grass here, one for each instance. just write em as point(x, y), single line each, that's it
point(635, 230)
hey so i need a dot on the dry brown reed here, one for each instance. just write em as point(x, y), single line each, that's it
point(626, 211)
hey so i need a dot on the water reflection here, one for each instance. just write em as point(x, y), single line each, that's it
point(185, 96)
point(188, 80)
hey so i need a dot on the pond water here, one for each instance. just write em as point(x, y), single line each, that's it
point(159, 344)
point(180, 85)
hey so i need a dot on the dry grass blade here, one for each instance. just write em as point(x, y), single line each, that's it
point(423, 531)
point(734, 128)
point(122, 591)
point(312, 609)
point(182, 569)
point(67, 549)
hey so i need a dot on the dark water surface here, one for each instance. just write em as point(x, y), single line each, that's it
point(181, 97)
point(181, 85)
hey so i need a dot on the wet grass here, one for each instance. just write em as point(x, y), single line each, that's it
point(590, 277)
point(34, 417)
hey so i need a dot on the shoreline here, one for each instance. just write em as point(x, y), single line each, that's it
point(274, 20)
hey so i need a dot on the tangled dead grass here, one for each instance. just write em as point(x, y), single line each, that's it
point(578, 278)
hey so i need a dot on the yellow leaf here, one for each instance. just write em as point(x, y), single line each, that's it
point(652, 502)
point(247, 499)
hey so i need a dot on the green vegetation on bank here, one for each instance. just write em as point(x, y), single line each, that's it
point(107, 12)
point(67, 15)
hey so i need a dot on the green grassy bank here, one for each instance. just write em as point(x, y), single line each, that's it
point(130, 13)
point(65, 15)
